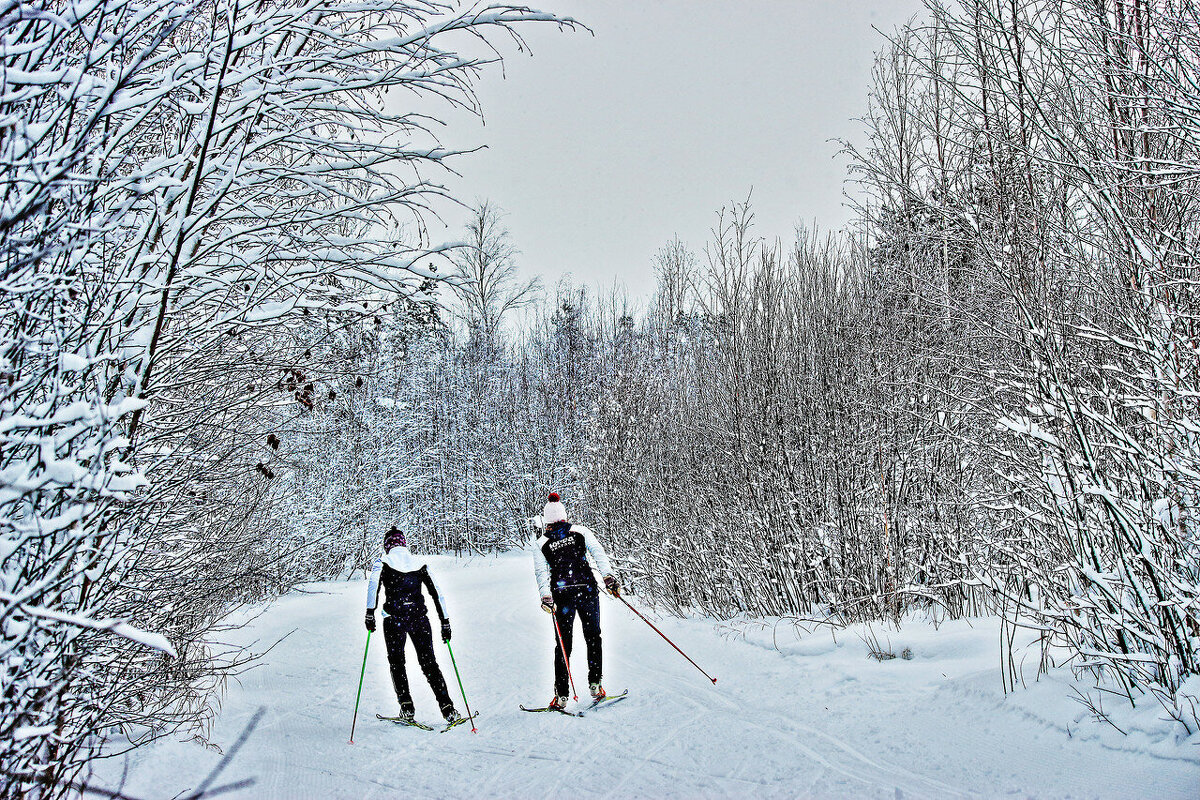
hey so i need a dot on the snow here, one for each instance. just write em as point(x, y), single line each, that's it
point(73, 362)
point(28, 732)
point(148, 638)
point(1166, 512)
point(809, 715)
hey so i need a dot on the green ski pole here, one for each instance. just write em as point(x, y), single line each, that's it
point(360, 683)
point(470, 716)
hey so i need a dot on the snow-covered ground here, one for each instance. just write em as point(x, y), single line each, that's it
point(789, 717)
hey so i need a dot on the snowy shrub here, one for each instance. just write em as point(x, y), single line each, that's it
point(194, 195)
point(1043, 179)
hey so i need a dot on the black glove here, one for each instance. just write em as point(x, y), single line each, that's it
point(445, 630)
point(610, 583)
point(370, 620)
point(548, 604)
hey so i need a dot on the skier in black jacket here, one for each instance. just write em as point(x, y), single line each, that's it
point(402, 576)
point(567, 586)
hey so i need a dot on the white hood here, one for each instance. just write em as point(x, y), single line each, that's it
point(401, 559)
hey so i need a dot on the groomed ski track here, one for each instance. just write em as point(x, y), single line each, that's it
point(819, 719)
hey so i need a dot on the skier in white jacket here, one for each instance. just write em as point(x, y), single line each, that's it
point(567, 585)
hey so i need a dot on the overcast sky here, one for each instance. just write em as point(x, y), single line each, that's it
point(602, 148)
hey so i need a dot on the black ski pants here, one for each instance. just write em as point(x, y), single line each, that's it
point(584, 600)
point(396, 630)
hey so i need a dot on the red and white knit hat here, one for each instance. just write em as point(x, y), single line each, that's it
point(554, 511)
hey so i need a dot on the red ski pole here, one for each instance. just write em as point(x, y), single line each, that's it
point(563, 650)
point(660, 633)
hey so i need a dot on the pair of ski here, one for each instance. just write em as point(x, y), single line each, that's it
point(412, 723)
point(607, 700)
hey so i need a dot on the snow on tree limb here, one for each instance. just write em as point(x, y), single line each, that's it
point(153, 640)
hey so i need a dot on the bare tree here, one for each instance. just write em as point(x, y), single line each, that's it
point(484, 277)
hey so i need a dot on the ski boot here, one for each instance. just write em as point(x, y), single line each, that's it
point(597, 691)
point(559, 703)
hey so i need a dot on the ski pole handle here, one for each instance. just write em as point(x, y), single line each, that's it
point(664, 636)
point(360, 683)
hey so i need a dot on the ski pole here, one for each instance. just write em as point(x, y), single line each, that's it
point(563, 650)
point(470, 716)
point(660, 633)
point(360, 683)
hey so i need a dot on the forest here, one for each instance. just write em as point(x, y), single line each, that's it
point(230, 356)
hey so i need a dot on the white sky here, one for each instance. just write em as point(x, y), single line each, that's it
point(602, 148)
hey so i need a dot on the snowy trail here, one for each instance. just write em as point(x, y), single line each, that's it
point(819, 719)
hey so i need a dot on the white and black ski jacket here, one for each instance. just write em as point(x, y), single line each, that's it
point(401, 574)
point(560, 558)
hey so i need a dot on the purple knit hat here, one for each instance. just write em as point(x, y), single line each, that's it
point(393, 538)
